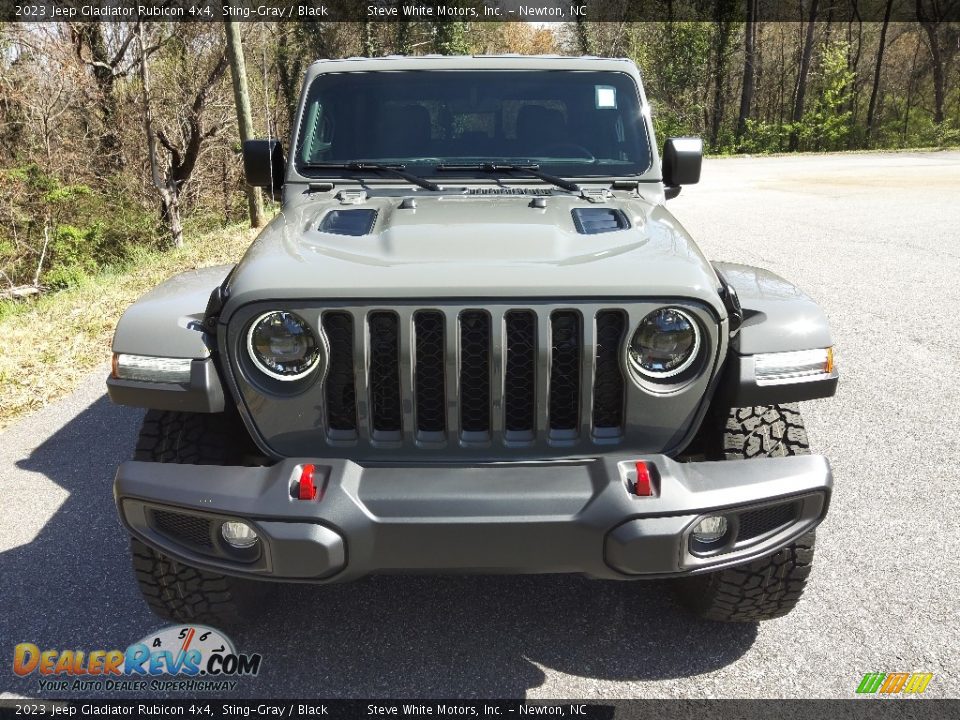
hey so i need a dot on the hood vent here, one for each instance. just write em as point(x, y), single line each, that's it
point(592, 221)
point(349, 222)
point(506, 191)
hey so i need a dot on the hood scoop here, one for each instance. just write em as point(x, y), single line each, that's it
point(593, 221)
point(348, 222)
point(507, 191)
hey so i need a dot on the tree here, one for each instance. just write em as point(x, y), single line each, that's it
point(369, 44)
point(583, 37)
point(826, 125)
point(801, 88)
point(106, 66)
point(878, 68)
point(184, 151)
point(723, 31)
point(931, 20)
point(241, 97)
point(749, 70)
point(450, 38)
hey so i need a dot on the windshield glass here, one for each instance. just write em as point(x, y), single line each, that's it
point(570, 123)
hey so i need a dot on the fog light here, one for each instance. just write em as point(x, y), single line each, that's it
point(710, 529)
point(238, 534)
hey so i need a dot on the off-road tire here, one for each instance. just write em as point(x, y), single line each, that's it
point(768, 587)
point(173, 590)
point(764, 431)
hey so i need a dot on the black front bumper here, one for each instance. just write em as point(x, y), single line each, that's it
point(577, 516)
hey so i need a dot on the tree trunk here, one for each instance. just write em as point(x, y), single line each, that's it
point(367, 39)
point(583, 37)
point(910, 88)
point(241, 97)
point(288, 70)
point(931, 27)
point(723, 28)
point(853, 65)
point(170, 212)
point(166, 187)
point(872, 107)
point(89, 36)
point(802, 76)
point(404, 37)
point(749, 72)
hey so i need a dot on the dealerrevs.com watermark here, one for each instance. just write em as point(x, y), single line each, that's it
point(894, 683)
point(184, 658)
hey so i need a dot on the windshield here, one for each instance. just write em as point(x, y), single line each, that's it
point(569, 123)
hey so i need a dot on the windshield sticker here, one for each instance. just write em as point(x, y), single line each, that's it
point(606, 97)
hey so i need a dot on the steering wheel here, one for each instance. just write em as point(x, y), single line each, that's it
point(581, 151)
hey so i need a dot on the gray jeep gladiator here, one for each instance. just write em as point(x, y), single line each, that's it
point(473, 340)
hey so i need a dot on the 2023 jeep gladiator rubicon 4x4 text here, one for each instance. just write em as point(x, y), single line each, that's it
point(474, 339)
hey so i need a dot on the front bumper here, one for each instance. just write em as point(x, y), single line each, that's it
point(577, 516)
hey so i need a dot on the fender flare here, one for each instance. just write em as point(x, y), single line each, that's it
point(169, 322)
point(777, 317)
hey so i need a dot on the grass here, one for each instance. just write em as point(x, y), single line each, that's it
point(52, 342)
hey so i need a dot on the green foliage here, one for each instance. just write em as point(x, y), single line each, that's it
point(68, 230)
point(761, 137)
point(72, 253)
point(675, 61)
point(827, 124)
point(450, 38)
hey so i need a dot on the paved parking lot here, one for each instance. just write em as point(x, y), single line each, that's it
point(874, 238)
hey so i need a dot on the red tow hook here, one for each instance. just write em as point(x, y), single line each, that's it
point(306, 489)
point(644, 485)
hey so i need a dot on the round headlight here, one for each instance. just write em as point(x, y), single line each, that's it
point(282, 346)
point(665, 343)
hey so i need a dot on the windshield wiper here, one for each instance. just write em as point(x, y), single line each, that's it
point(531, 169)
point(395, 170)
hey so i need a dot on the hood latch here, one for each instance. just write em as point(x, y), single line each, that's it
point(595, 195)
point(352, 197)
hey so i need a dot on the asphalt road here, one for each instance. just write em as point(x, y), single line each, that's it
point(874, 238)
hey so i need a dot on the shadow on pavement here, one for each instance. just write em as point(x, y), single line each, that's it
point(386, 636)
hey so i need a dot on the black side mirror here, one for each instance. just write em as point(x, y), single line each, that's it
point(264, 164)
point(682, 158)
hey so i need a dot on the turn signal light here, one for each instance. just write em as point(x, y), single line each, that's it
point(307, 490)
point(796, 366)
point(148, 368)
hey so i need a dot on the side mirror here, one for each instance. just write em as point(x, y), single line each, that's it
point(682, 158)
point(264, 164)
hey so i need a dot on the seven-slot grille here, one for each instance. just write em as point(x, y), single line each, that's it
point(471, 375)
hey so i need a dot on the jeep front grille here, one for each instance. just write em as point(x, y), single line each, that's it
point(473, 375)
point(384, 377)
point(475, 372)
point(519, 386)
point(428, 389)
point(341, 396)
point(608, 386)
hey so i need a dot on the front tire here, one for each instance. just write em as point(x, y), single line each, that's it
point(769, 587)
point(173, 590)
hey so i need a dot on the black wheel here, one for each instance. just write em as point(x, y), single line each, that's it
point(173, 590)
point(768, 587)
